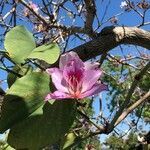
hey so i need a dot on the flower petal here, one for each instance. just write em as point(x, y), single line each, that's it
point(90, 78)
point(73, 69)
point(57, 95)
point(91, 65)
point(67, 57)
point(97, 88)
point(57, 79)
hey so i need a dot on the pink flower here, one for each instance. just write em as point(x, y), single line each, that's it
point(74, 78)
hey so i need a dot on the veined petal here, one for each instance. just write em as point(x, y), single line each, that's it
point(51, 70)
point(73, 69)
point(57, 79)
point(97, 88)
point(57, 95)
point(67, 57)
point(89, 65)
point(90, 78)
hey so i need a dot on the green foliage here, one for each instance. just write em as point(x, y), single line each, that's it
point(68, 140)
point(77, 143)
point(24, 111)
point(119, 78)
point(146, 113)
point(144, 86)
point(8, 148)
point(23, 98)
point(145, 83)
point(21, 70)
point(2, 144)
point(19, 43)
point(80, 129)
point(5, 146)
point(93, 142)
point(45, 126)
point(49, 53)
point(131, 140)
point(117, 89)
point(116, 143)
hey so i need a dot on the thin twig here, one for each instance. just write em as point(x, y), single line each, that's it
point(139, 76)
point(132, 107)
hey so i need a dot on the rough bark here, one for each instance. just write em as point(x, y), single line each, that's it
point(111, 37)
point(90, 14)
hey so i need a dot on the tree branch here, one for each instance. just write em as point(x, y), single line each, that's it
point(90, 14)
point(138, 77)
point(132, 107)
point(37, 15)
point(111, 37)
point(73, 29)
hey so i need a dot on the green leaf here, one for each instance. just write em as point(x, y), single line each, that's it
point(23, 98)
point(70, 138)
point(44, 127)
point(19, 43)
point(22, 70)
point(49, 53)
point(7, 147)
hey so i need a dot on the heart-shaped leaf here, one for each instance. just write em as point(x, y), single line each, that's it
point(23, 98)
point(68, 140)
point(49, 53)
point(19, 43)
point(44, 127)
point(22, 70)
